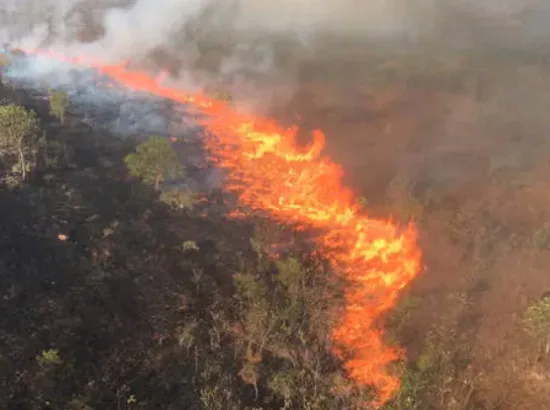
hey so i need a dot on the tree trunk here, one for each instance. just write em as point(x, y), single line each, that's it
point(23, 164)
point(157, 182)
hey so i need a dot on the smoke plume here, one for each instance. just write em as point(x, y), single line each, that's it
point(118, 30)
point(253, 50)
point(245, 45)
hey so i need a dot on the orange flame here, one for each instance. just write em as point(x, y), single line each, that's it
point(269, 172)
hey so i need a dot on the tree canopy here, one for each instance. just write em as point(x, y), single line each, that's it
point(155, 161)
point(58, 104)
point(18, 127)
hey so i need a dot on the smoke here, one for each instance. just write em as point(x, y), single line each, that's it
point(125, 26)
point(253, 50)
point(124, 29)
point(228, 40)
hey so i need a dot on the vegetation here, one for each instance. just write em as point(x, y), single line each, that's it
point(49, 357)
point(537, 323)
point(18, 138)
point(123, 297)
point(155, 161)
point(145, 314)
point(182, 198)
point(58, 104)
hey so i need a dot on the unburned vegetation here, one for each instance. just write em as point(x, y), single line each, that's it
point(458, 143)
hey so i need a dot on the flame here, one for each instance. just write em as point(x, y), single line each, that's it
point(269, 172)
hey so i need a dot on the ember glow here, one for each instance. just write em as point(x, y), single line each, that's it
point(269, 172)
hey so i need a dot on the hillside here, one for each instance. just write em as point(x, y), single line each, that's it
point(114, 299)
point(115, 295)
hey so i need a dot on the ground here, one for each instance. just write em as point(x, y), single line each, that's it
point(457, 144)
point(463, 151)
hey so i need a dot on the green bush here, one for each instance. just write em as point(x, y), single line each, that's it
point(58, 104)
point(155, 161)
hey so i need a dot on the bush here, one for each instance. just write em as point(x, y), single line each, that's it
point(181, 198)
point(537, 321)
point(58, 104)
point(155, 161)
point(18, 136)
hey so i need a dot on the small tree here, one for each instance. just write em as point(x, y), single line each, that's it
point(154, 161)
point(537, 321)
point(58, 104)
point(18, 132)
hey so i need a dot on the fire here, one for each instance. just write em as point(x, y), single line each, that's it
point(268, 171)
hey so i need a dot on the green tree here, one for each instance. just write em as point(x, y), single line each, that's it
point(283, 332)
point(18, 134)
point(58, 104)
point(154, 161)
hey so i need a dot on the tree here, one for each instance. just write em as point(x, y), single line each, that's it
point(18, 131)
point(537, 323)
point(154, 161)
point(58, 104)
point(282, 332)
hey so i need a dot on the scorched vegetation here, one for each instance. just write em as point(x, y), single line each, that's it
point(112, 298)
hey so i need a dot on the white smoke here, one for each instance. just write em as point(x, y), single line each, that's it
point(126, 29)
point(184, 31)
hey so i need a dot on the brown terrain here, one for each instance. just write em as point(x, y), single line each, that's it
point(461, 147)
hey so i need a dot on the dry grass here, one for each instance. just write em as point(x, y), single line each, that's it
point(473, 172)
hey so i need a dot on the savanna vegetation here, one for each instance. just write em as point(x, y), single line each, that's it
point(119, 291)
point(116, 295)
point(58, 104)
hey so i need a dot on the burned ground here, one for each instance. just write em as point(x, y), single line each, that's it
point(112, 298)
